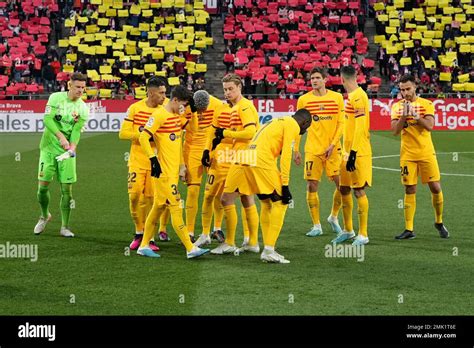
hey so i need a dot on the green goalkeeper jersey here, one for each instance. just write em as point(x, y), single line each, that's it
point(63, 115)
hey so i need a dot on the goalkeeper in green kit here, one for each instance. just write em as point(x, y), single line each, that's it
point(65, 115)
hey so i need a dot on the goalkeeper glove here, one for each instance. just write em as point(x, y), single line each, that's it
point(286, 195)
point(155, 167)
point(66, 155)
point(350, 165)
point(206, 159)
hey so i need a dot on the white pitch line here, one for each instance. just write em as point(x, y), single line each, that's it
point(439, 153)
point(398, 170)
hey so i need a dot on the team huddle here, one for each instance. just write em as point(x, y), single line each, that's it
point(240, 158)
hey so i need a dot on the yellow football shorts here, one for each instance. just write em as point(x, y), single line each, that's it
point(428, 169)
point(139, 181)
point(252, 180)
point(166, 191)
point(192, 159)
point(315, 164)
point(361, 176)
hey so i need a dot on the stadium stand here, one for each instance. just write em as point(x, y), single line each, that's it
point(434, 40)
point(274, 44)
point(120, 44)
point(25, 28)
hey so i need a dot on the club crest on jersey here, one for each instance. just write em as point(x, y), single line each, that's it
point(172, 137)
point(150, 122)
point(315, 118)
point(321, 107)
point(58, 117)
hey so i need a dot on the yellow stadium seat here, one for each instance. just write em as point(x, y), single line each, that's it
point(405, 61)
point(458, 87)
point(469, 86)
point(105, 69)
point(173, 81)
point(105, 93)
point(445, 76)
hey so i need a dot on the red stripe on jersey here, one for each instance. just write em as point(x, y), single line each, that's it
point(321, 102)
point(144, 112)
point(169, 131)
point(169, 127)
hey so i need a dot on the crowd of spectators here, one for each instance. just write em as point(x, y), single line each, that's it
point(274, 44)
point(117, 44)
point(25, 32)
point(433, 40)
point(120, 47)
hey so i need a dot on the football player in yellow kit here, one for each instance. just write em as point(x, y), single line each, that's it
point(356, 170)
point(323, 146)
point(413, 118)
point(165, 126)
point(140, 188)
point(243, 125)
point(263, 177)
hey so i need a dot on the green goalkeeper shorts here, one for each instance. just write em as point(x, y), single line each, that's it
point(49, 166)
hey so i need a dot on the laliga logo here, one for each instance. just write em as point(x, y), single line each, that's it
point(454, 121)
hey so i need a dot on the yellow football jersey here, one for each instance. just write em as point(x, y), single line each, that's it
point(328, 121)
point(275, 138)
point(243, 114)
point(197, 140)
point(137, 116)
point(357, 124)
point(166, 129)
point(416, 143)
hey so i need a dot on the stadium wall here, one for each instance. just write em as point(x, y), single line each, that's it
point(107, 115)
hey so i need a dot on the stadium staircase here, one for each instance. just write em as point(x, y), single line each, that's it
point(214, 59)
point(373, 48)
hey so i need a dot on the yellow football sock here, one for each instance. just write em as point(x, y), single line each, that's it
point(347, 206)
point(218, 212)
point(164, 219)
point(437, 200)
point(336, 202)
point(245, 225)
point(312, 198)
point(363, 211)
point(410, 208)
point(179, 226)
point(151, 222)
point(138, 219)
point(265, 215)
point(276, 222)
point(251, 214)
point(206, 215)
point(192, 205)
point(231, 223)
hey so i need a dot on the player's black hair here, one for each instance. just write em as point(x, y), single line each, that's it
point(181, 93)
point(322, 71)
point(155, 82)
point(407, 78)
point(77, 76)
point(349, 72)
point(302, 115)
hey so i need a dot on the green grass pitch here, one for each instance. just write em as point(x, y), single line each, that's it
point(93, 272)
